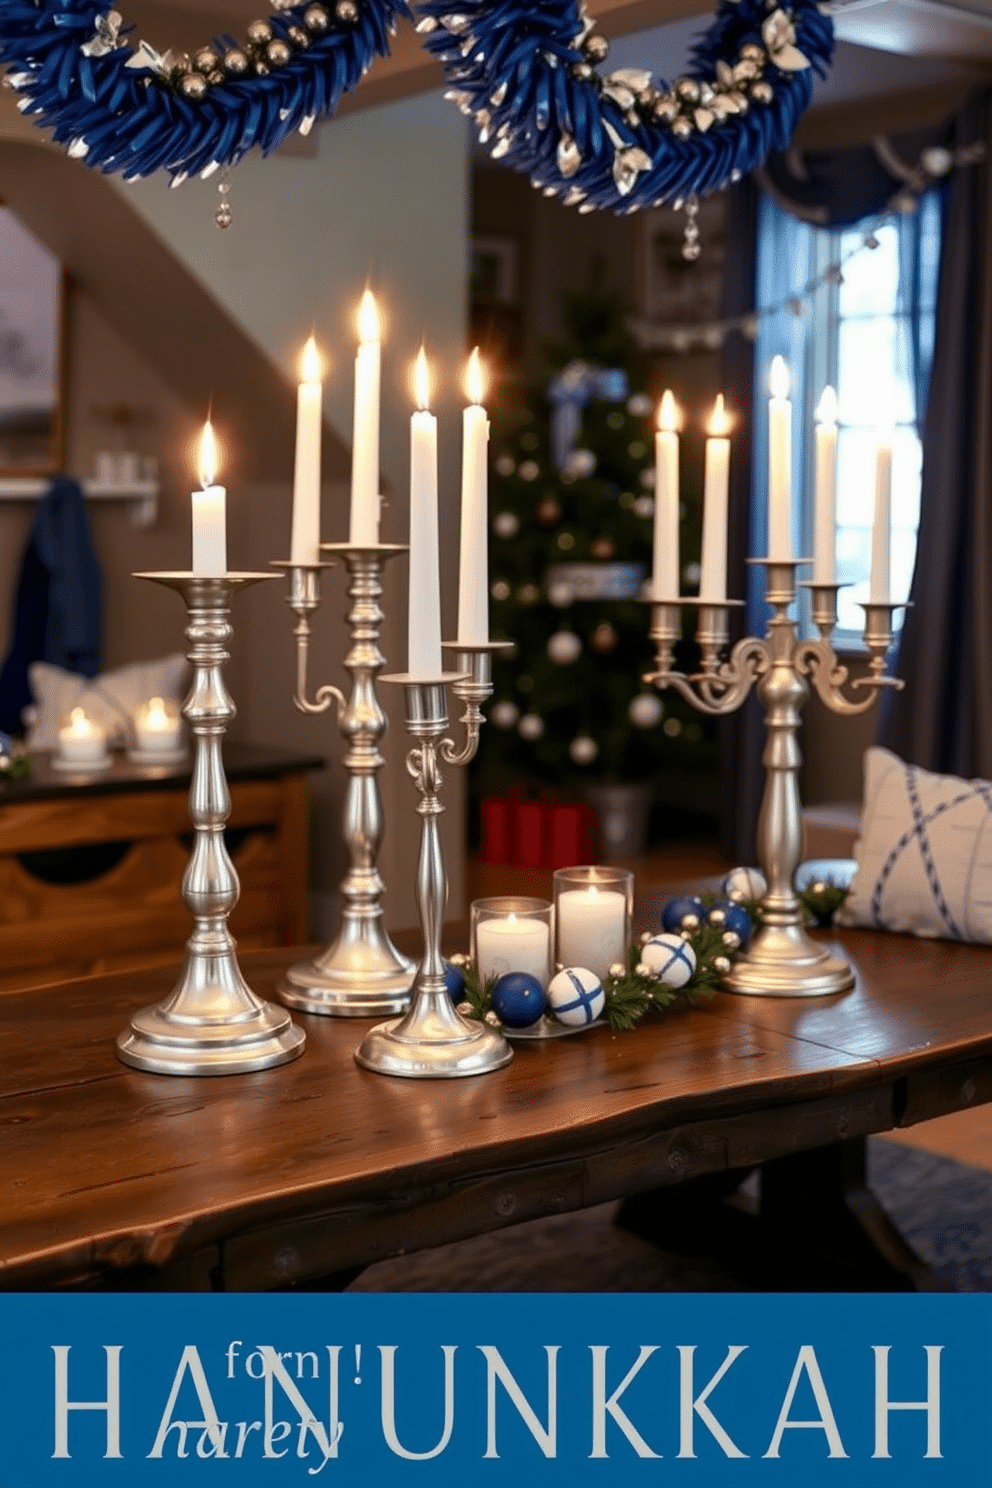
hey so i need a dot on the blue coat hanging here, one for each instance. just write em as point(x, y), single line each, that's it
point(58, 606)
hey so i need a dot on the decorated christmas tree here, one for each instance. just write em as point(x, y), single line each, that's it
point(571, 498)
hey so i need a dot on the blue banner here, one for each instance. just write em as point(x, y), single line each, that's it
point(556, 1389)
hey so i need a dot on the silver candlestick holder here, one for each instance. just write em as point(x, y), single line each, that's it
point(212, 1023)
point(433, 1040)
point(361, 974)
point(781, 959)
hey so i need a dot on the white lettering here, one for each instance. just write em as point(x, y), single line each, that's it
point(883, 1405)
point(496, 1369)
point(690, 1407)
point(602, 1407)
point(192, 1362)
point(806, 1363)
point(388, 1355)
point(63, 1405)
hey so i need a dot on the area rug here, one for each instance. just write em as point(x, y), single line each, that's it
point(943, 1207)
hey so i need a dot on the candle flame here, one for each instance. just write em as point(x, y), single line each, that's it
point(826, 409)
point(208, 456)
point(77, 717)
point(475, 378)
point(512, 916)
point(311, 363)
point(369, 322)
point(668, 413)
point(779, 381)
point(422, 380)
point(719, 424)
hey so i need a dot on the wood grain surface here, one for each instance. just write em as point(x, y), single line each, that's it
point(113, 1177)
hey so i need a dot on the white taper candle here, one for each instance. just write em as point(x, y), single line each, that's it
point(209, 513)
point(424, 615)
point(365, 443)
point(779, 463)
point(713, 565)
point(825, 497)
point(665, 575)
point(473, 572)
point(305, 542)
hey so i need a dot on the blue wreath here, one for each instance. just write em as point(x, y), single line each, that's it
point(526, 74)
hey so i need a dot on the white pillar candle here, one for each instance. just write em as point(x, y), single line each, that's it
point(713, 566)
point(156, 730)
point(424, 616)
point(592, 928)
point(513, 945)
point(473, 572)
point(879, 589)
point(305, 543)
point(665, 576)
point(209, 513)
point(779, 463)
point(365, 441)
point(81, 741)
point(825, 500)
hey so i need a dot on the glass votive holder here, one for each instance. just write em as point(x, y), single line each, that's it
point(512, 933)
point(594, 909)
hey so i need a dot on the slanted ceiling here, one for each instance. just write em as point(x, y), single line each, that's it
point(157, 306)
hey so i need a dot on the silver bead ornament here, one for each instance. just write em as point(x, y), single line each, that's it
point(236, 62)
point(206, 60)
point(721, 965)
point(688, 90)
point(752, 52)
point(617, 969)
point(298, 36)
point(682, 127)
point(193, 85)
point(583, 750)
point(643, 970)
point(465, 1008)
point(716, 917)
point(731, 940)
point(259, 32)
point(583, 72)
point(665, 108)
point(346, 11)
point(278, 53)
point(316, 19)
point(596, 47)
point(458, 958)
point(690, 922)
point(762, 92)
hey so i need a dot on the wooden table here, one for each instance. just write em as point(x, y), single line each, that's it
point(114, 1178)
point(91, 866)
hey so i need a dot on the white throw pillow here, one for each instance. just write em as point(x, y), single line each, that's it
point(109, 700)
point(924, 853)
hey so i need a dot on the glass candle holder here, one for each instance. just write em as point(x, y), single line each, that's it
point(593, 912)
point(82, 743)
point(512, 933)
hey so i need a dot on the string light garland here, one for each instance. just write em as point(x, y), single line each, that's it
point(526, 75)
point(935, 163)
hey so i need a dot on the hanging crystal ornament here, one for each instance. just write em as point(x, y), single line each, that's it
point(690, 242)
point(224, 216)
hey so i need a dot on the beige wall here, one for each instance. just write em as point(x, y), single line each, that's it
point(383, 199)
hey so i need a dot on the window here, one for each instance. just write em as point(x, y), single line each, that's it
point(867, 330)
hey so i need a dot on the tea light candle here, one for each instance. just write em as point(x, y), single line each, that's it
point(81, 741)
point(156, 729)
point(592, 928)
point(513, 944)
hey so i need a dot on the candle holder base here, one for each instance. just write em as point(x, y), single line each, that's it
point(434, 1042)
point(783, 961)
point(362, 975)
point(167, 1040)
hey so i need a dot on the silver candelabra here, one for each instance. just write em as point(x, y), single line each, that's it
point(361, 974)
point(781, 959)
point(212, 1023)
point(433, 1040)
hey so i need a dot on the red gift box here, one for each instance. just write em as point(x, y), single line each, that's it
point(538, 834)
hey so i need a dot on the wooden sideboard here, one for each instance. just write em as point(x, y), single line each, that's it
point(91, 870)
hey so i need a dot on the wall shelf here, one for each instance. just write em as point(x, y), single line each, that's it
point(142, 494)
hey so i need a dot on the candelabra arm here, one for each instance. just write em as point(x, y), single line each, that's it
point(724, 689)
point(829, 677)
point(325, 695)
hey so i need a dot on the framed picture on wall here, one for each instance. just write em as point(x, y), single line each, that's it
point(670, 289)
point(32, 352)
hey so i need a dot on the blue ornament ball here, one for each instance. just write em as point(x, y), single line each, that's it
point(519, 999)
point(670, 958)
point(745, 883)
point(454, 981)
point(676, 910)
point(731, 916)
point(576, 996)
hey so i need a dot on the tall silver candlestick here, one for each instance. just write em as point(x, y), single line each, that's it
point(211, 1023)
point(361, 974)
point(781, 959)
point(433, 1040)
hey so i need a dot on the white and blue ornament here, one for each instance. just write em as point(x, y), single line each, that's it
point(669, 958)
point(725, 914)
point(684, 913)
point(519, 999)
point(576, 996)
point(745, 883)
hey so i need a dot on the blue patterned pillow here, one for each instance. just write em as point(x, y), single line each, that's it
point(924, 853)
